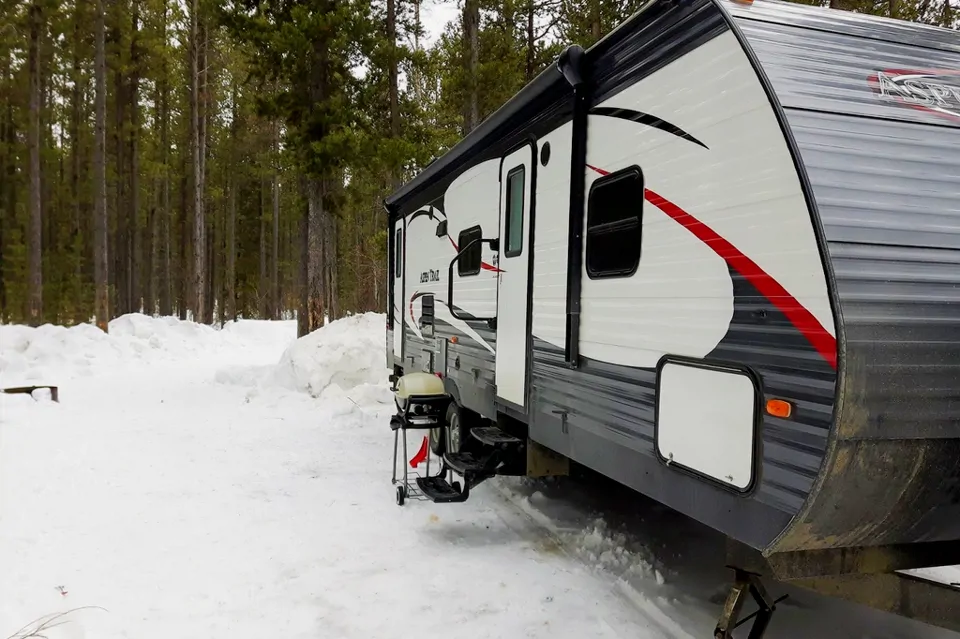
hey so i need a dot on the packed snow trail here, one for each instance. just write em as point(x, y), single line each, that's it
point(203, 483)
point(185, 507)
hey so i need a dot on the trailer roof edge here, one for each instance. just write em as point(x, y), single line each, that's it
point(565, 70)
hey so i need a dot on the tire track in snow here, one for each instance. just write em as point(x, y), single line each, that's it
point(514, 509)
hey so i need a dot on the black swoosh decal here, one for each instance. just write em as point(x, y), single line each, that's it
point(647, 119)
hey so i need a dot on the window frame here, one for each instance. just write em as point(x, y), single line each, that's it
point(398, 253)
point(521, 170)
point(588, 231)
point(463, 238)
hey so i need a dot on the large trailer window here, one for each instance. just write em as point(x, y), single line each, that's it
point(469, 262)
point(514, 230)
point(398, 255)
point(615, 224)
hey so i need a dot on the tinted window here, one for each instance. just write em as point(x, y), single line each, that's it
point(398, 254)
point(469, 262)
point(515, 183)
point(614, 224)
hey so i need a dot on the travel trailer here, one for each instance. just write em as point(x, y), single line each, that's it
point(715, 257)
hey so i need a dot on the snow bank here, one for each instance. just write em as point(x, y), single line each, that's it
point(343, 359)
point(51, 354)
point(347, 353)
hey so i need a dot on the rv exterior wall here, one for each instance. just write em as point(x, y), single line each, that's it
point(722, 212)
point(874, 106)
point(706, 242)
point(550, 254)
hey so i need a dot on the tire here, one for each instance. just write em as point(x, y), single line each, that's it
point(457, 429)
point(401, 495)
point(438, 440)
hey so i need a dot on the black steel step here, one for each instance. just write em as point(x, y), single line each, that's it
point(439, 491)
point(493, 436)
point(464, 463)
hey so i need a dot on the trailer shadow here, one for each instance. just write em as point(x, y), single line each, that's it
point(685, 560)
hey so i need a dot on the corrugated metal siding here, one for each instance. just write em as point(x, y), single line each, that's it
point(884, 168)
point(821, 19)
point(889, 197)
point(609, 412)
point(836, 72)
point(886, 178)
point(468, 363)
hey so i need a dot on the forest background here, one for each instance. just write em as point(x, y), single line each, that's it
point(216, 160)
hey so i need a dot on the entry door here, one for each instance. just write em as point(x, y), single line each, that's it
point(516, 187)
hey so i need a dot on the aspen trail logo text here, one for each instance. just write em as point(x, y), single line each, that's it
point(935, 91)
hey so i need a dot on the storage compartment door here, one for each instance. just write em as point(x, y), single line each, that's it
point(707, 420)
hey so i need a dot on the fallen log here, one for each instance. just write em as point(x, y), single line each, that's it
point(54, 390)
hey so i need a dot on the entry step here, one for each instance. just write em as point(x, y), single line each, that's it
point(464, 463)
point(493, 436)
point(439, 490)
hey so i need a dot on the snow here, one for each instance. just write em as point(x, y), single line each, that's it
point(50, 354)
point(203, 482)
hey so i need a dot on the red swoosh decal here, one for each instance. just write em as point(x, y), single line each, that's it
point(801, 318)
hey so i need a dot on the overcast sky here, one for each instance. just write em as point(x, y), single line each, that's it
point(434, 15)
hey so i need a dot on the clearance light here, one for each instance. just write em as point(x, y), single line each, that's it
point(743, 1)
point(454, 340)
point(779, 408)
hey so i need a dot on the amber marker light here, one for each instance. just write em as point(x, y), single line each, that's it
point(779, 408)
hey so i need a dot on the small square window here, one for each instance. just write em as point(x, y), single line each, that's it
point(515, 200)
point(469, 261)
point(615, 224)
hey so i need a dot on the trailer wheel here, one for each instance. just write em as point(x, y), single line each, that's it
point(438, 440)
point(456, 429)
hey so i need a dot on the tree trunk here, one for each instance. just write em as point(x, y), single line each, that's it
point(183, 264)
point(204, 119)
point(166, 291)
point(135, 252)
point(303, 272)
point(263, 295)
point(76, 288)
point(230, 309)
point(314, 290)
point(121, 269)
point(213, 272)
point(199, 259)
point(330, 266)
point(6, 186)
point(394, 71)
point(275, 235)
point(531, 9)
point(595, 27)
point(471, 34)
point(101, 300)
point(35, 276)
